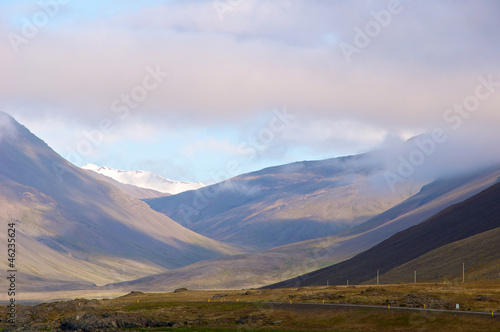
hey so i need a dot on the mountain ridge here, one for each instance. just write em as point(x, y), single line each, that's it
point(480, 253)
point(145, 179)
point(290, 203)
point(460, 221)
point(268, 267)
point(79, 228)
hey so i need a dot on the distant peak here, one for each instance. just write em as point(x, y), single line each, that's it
point(6, 115)
point(11, 128)
point(145, 179)
point(90, 167)
point(7, 120)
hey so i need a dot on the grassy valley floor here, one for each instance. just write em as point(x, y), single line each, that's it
point(276, 310)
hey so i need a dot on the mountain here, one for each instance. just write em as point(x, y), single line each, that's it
point(290, 203)
point(134, 191)
point(145, 179)
point(474, 216)
point(285, 262)
point(480, 253)
point(74, 229)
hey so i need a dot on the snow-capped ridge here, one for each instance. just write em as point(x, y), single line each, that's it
point(145, 179)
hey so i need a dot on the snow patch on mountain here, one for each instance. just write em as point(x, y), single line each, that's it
point(145, 179)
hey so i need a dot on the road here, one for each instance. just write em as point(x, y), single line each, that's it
point(380, 307)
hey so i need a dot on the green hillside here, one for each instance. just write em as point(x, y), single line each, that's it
point(480, 253)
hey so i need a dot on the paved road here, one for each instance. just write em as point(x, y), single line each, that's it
point(360, 306)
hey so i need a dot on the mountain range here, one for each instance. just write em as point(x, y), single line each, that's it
point(302, 258)
point(75, 230)
point(145, 179)
point(290, 203)
point(308, 222)
point(466, 232)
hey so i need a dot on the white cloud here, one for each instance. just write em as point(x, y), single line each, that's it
point(83, 71)
point(263, 55)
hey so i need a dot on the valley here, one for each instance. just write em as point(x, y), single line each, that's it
point(75, 230)
point(391, 307)
point(230, 165)
point(285, 238)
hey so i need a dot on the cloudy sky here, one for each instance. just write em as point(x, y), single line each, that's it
point(203, 89)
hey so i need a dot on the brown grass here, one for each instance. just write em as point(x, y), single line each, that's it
point(243, 308)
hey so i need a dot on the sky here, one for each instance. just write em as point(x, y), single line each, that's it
point(200, 90)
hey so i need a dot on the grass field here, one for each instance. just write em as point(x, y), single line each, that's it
point(246, 310)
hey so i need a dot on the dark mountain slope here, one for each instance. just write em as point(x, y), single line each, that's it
point(480, 253)
point(475, 215)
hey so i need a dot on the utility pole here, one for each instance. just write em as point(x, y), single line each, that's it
point(463, 272)
point(415, 276)
point(377, 277)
